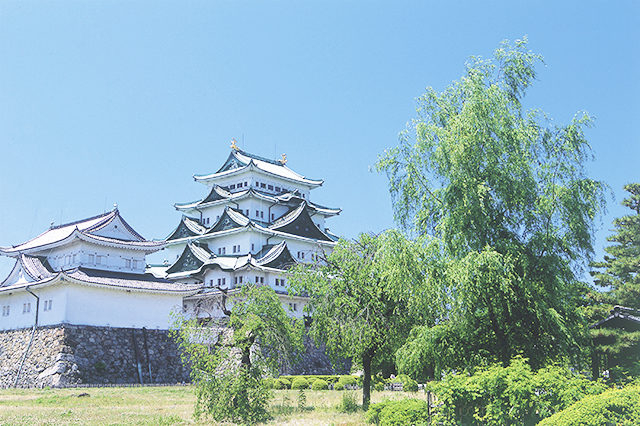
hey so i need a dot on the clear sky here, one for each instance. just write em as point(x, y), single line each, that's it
point(105, 102)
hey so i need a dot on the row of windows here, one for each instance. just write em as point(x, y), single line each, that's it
point(236, 249)
point(240, 279)
point(26, 308)
point(293, 306)
point(238, 185)
point(272, 188)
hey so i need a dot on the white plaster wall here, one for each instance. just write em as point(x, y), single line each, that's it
point(113, 259)
point(101, 306)
point(87, 305)
point(16, 300)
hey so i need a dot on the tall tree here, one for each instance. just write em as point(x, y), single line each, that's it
point(505, 192)
point(226, 365)
point(362, 298)
point(618, 274)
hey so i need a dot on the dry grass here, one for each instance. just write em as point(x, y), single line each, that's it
point(162, 406)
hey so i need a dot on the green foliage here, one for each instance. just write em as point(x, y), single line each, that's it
point(509, 395)
point(225, 367)
point(365, 297)
point(400, 412)
point(302, 400)
point(410, 385)
point(504, 194)
point(329, 378)
point(299, 383)
point(320, 385)
point(282, 383)
point(269, 382)
point(347, 380)
point(619, 274)
point(349, 403)
point(615, 406)
point(338, 386)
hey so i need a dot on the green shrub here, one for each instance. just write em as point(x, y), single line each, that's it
point(410, 385)
point(399, 412)
point(320, 384)
point(282, 383)
point(615, 406)
point(269, 382)
point(347, 380)
point(378, 386)
point(299, 383)
point(349, 403)
point(338, 386)
point(509, 395)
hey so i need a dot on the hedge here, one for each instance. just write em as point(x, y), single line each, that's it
point(615, 406)
point(399, 412)
point(319, 384)
point(299, 383)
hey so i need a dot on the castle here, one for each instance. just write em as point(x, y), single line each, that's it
point(81, 304)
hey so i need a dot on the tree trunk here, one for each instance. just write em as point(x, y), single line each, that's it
point(366, 380)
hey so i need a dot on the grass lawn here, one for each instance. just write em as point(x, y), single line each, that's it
point(162, 406)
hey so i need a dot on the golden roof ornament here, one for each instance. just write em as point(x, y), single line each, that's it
point(283, 160)
point(234, 146)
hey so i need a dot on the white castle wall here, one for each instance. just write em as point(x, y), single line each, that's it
point(89, 305)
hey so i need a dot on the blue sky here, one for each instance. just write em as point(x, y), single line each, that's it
point(123, 101)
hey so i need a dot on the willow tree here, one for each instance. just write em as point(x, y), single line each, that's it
point(363, 298)
point(505, 191)
point(227, 356)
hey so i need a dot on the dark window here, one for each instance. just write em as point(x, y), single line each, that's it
point(270, 187)
point(262, 185)
point(277, 189)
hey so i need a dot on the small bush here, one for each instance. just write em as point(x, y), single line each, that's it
point(269, 382)
point(347, 380)
point(282, 383)
point(299, 383)
point(349, 403)
point(338, 386)
point(410, 385)
point(378, 386)
point(319, 384)
point(399, 412)
point(615, 406)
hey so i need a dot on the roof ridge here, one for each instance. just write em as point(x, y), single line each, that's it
point(258, 157)
point(75, 222)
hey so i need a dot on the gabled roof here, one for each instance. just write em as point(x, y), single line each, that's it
point(89, 230)
point(187, 227)
point(239, 161)
point(229, 219)
point(42, 274)
point(621, 317)
point(279, 257)
point(195, 260)
point(298, 222)
point(191, 260)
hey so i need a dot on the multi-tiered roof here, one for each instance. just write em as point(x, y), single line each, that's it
point(256, 221)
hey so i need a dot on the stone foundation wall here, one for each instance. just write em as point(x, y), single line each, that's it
point(68, 355)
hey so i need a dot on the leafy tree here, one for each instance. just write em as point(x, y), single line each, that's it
point(504, 192)
point(227, 367)
point(363, 298)
point(619, 275)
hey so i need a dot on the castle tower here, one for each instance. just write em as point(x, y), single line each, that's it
point(255, 222)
